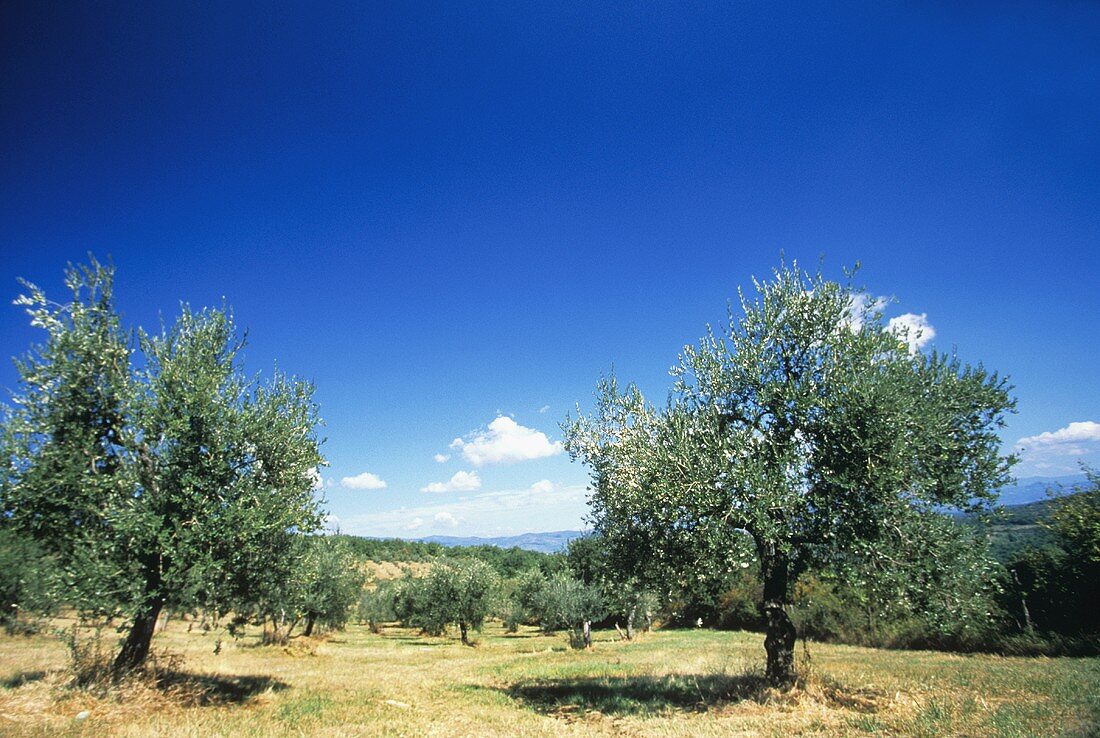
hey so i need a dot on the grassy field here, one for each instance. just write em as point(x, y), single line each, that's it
point(669, 683)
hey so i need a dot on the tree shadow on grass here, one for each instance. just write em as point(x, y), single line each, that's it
point(420, 641)
point(639, 694)
point(214, 690)
point(24, 677)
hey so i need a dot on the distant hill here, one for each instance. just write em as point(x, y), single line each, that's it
point(551, 542)
point(1034, 489)
point(1025, 500)
point(1017, 526)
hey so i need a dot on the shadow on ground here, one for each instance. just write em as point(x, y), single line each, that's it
point(213, 690)
point(23, 677)
point(420, 641)
point(639, 694)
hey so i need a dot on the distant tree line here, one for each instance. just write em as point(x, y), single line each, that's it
point(506, 562)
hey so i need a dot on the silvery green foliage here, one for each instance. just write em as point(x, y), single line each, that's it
point(332, 583)
point(565, 603)
point(804, 433)
point(460, 591)
point(64, 437)
point(167, 481)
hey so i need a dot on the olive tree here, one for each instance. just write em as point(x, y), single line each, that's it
point(592, 561)
point(173, 481)
point(462, 591)
point(566, 603)
point(804, 433)
point(333, 584)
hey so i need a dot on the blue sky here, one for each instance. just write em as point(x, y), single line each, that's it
point(446, 216)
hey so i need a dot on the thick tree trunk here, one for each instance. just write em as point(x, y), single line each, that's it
point(136, 648)
point(310, 620)
point(630, 622)
point(587, 634)
point(465, 634)
point(779, 639)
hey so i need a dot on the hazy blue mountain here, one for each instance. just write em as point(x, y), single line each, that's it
point(1026, 490)
point(550, 542)
point(1034, 489)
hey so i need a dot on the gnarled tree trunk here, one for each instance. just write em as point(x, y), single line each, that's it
point(136, 647)
point(779, 639)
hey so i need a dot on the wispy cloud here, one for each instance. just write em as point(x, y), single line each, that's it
point(504, 442)
point(462, 481)
point(445, 518)
point(366, 480)
point(543, 506)
point(441, 458)
point(543, 409)
point(1055, 451)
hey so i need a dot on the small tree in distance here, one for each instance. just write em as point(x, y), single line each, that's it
point(806, 433)
point(565, 603)
point(461, 591)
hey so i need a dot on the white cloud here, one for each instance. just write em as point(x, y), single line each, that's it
point(1054, 451)
point(331, 523)
point(543, 506)
point(462, 481)
point(914, 329)
point(861, 306)
point(505, 442)
point(441, 458)
point(1064, 441)
point(544, 408)
point(544, 486)
point(366, 480)
point(445, 518)
point(317, 482)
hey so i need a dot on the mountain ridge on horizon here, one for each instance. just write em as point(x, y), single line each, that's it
point(1023, 491)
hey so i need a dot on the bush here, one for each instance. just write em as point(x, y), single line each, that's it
point(28, 584)
point(376, 606)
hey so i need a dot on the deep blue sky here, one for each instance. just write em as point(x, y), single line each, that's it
point(442, 214)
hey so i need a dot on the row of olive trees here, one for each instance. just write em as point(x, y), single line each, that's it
point(320, 592)
point(465, 592)
point(151, 471)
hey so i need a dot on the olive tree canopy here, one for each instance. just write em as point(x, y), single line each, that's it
point(804, 433)
point(170, 481)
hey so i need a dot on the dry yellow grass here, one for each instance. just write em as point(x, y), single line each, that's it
point(379, 570)
point(673, 683)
